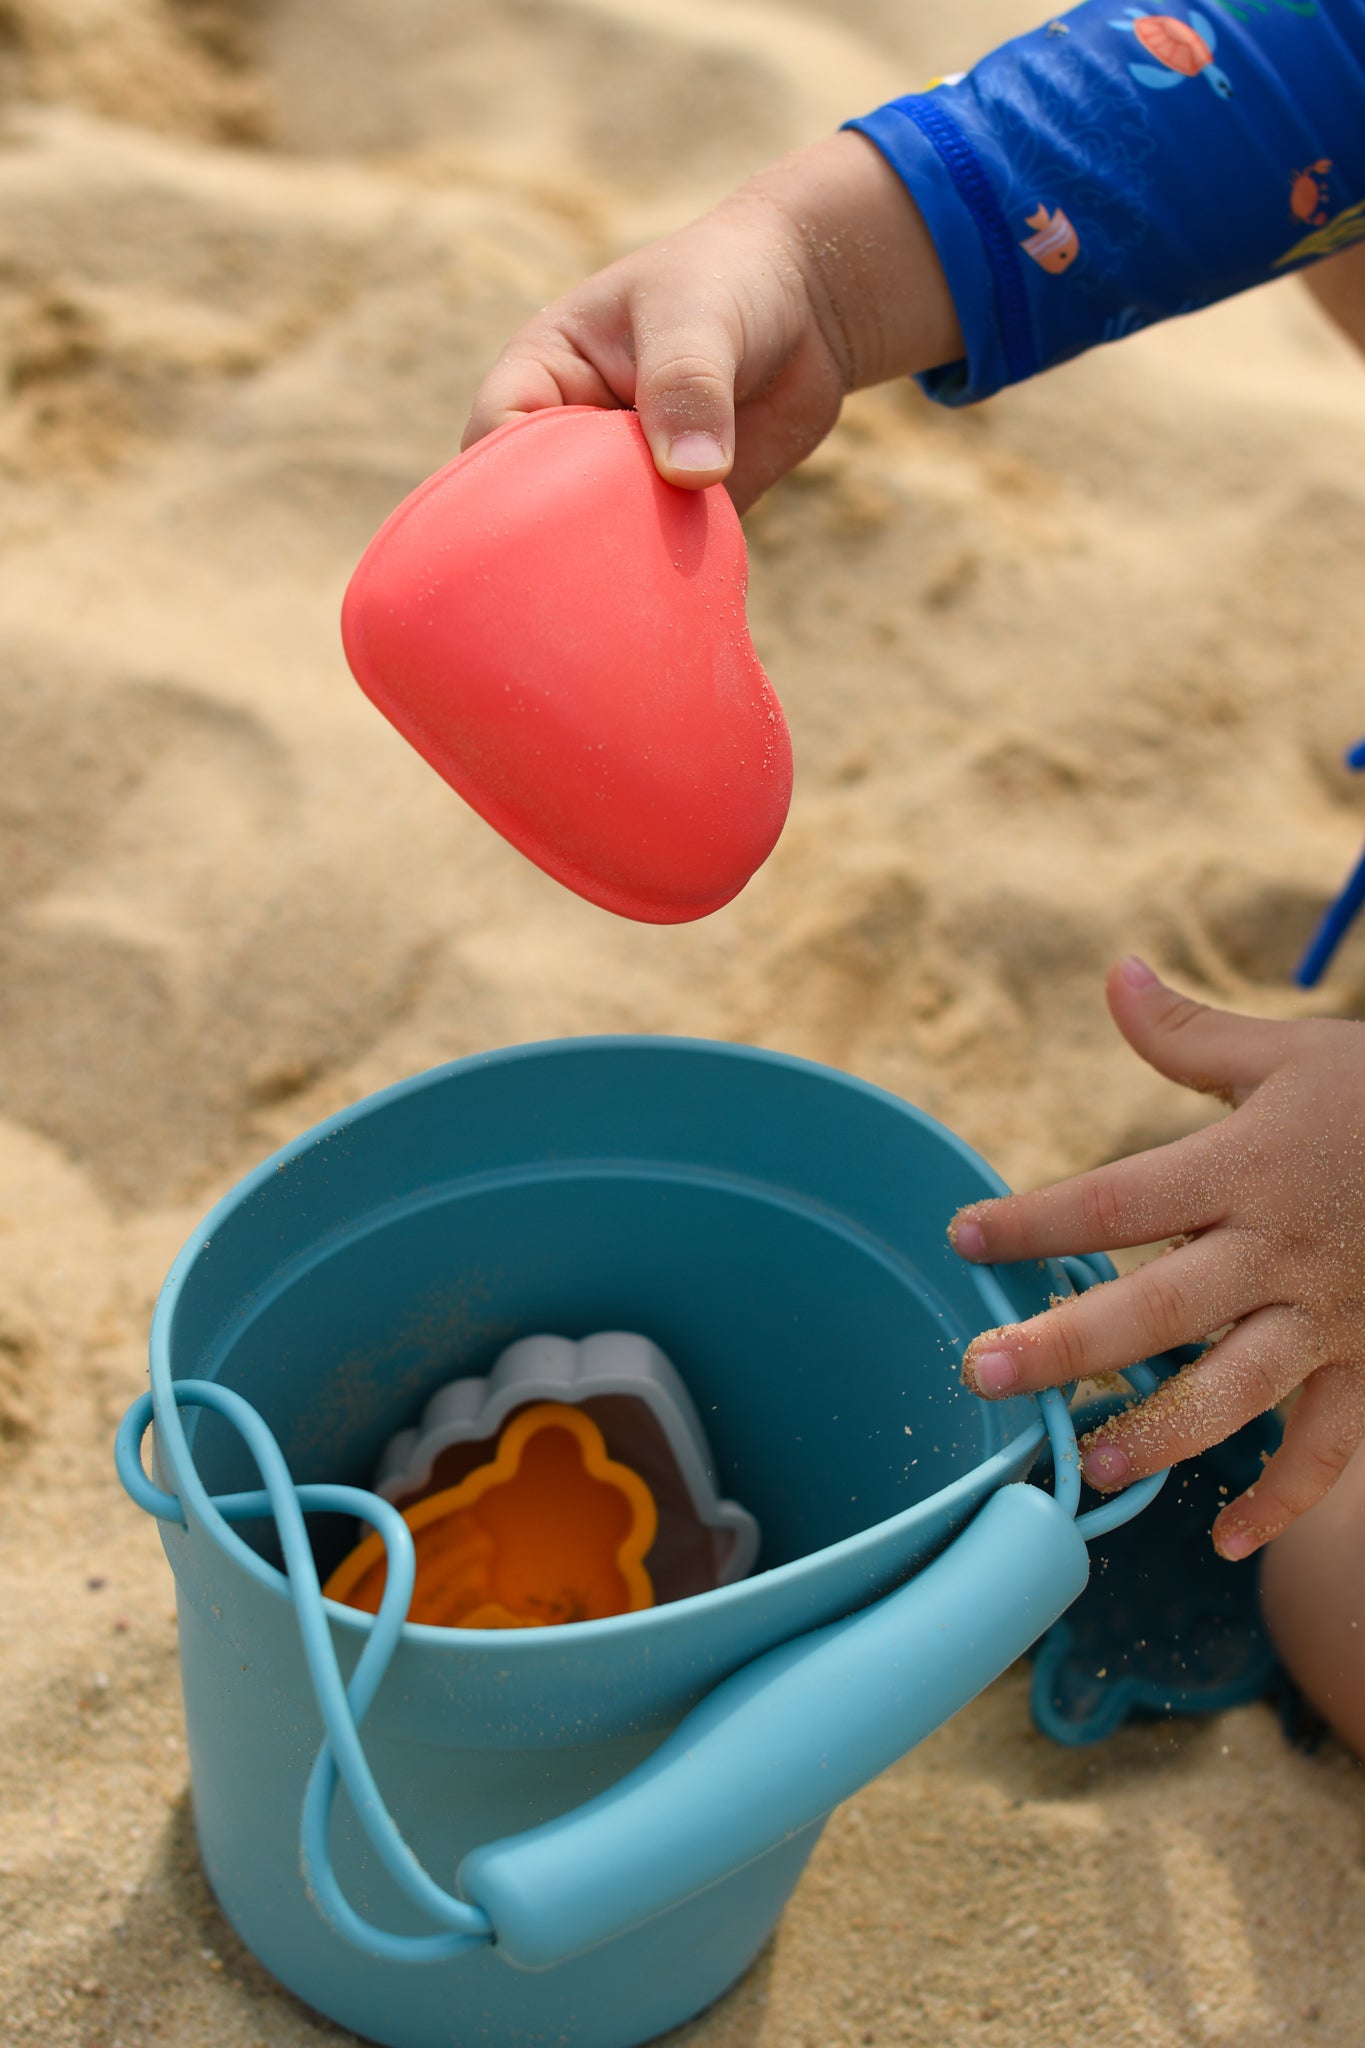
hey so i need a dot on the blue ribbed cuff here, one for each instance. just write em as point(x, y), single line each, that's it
point(980, 258)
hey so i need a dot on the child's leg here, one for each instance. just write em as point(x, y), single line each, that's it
point(1313, 1596)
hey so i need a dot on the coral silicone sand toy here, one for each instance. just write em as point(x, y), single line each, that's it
point(562, 635)
point(549, 1530)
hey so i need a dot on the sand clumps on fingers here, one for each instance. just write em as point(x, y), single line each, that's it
point(1067, 676)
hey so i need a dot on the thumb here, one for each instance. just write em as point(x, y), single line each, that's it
point(1214, 1051)
point(686, 355)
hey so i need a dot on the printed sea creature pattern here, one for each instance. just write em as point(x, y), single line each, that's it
point(1182, 50)
point(1339, 232)
point(1054, 244)
point(1249, 10)
point(1308, 192)
point(1127, 162)
point(1099, 189)
point(1090, 229)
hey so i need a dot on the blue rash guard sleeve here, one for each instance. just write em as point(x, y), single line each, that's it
point(1120, 165)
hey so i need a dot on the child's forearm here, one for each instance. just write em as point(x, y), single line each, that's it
point(872, 270)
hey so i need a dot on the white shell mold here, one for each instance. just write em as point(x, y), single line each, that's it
point(647, 1419)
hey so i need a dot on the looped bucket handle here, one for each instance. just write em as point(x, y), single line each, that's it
point(819, 1704)
point(1083, 1273)
point(342, 1707)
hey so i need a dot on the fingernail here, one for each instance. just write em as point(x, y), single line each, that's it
point(967, 1238)
point(1105, 1465)
point(993, 1372)
point(1236, 1544)
point(1136, 972)
point(696, 451)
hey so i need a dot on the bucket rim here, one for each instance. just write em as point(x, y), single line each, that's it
point(969, 1489)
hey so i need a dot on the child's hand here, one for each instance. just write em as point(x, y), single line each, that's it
point(1267, 1209)
point(738, 338)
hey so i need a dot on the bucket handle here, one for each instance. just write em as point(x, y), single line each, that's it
point(1083, 1273)
point(1044, 1558)
point(342, 1707)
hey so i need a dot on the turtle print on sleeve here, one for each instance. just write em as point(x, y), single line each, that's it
point(1122, 164)
point(1179, 50)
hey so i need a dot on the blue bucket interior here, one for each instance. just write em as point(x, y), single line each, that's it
point(778, 1229)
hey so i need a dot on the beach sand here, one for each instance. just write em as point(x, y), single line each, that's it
point(1067, 675)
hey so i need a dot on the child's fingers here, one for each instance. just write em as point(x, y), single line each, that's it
point(1325, 1429)
point(541, 368)
point(1213, 1051)
point(1248, 1371)
point(1163, 1193)
point(1172, 1300)
point(687, 348)
point(1168, 1192)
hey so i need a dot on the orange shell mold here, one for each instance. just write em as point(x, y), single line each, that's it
point(552, 1530)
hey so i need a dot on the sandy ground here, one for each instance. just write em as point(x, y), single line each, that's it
point(1066, 675)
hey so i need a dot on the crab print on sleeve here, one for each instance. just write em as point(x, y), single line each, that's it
point(1308, 191)
point(1123, 164)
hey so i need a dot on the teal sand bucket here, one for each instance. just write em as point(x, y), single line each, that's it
point(582, 1835)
